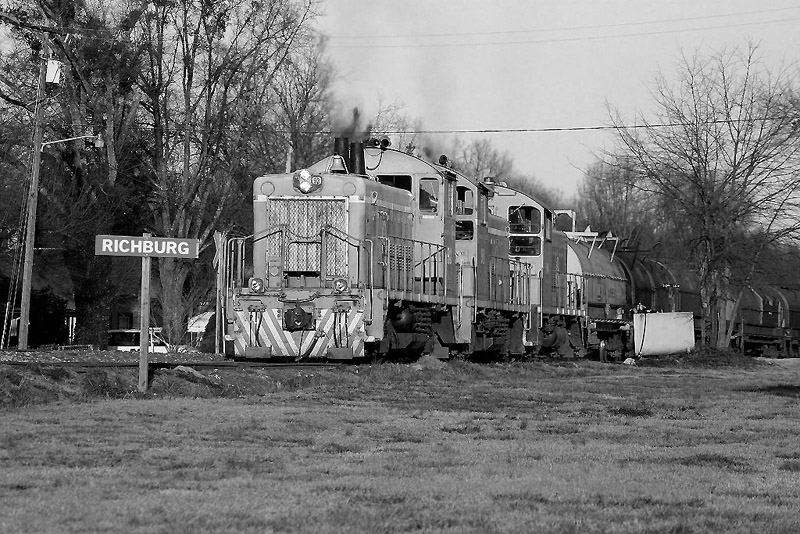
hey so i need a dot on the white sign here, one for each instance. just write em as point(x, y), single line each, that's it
point(163, 247)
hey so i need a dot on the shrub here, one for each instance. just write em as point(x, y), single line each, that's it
point(101, 383)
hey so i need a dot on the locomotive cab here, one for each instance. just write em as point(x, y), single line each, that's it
point(533, 241)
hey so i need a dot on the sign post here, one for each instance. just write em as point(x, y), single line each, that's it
point(144, 323)
point(147, 247)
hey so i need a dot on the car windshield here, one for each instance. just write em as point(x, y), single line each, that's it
point(117, 339)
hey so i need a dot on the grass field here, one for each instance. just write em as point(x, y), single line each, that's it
point(668, 446)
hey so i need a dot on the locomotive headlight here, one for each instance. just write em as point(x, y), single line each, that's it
point(256, 285)
point(340, 285)
point(305, 182)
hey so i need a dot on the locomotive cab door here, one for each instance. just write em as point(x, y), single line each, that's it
point(432, 205)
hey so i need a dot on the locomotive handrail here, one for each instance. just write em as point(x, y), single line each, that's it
point(264, 235)
point(579, 237)
point(234, 261)
point(409, 260)
point(341, 235)
point(520, 277)
point(235, 255)
point(348, 239)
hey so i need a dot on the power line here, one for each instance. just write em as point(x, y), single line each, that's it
point(562, 39)
point(566, 28)
point(184, 130)
point(77, 30)
point(571, 128)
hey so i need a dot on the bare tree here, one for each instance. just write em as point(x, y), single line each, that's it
point(550, 196)
point(205, 61)
point(723, 153)
point(392, 122)
point(81, 191)
point(302, 90)
point(611, 200)
point(480, 159)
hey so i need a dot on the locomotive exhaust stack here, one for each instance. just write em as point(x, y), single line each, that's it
point(348, 157)
point(357, 164)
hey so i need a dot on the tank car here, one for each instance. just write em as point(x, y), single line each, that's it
point(660, 286)
point(767, 321)
point(366, 253)
point(604, 294)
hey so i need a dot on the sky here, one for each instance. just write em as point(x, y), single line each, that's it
point(536, 76)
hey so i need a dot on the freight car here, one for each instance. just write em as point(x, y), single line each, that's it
point(766, 321)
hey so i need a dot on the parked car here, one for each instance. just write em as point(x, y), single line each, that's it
point(129, 340)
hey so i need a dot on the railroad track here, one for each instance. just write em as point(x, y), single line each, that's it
point(227, 364)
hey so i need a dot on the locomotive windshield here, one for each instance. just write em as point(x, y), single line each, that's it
point(429, 195)
point(524, 220)
point(400, 181)
point(465, 201)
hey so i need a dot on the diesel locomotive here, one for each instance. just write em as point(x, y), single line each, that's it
point(372, 251)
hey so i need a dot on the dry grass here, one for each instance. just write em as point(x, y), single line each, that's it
point(666, 447)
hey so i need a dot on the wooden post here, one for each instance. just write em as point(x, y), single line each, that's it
point(33, 198)
point(221, 265)
point(144, 322)
point(218, 316)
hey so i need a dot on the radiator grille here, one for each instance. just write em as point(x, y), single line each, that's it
point(303, 241)
point(401, 257)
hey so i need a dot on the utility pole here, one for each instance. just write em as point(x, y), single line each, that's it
point(33, 198)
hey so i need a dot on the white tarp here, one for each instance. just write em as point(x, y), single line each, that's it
point(663, 333)
point(197, 324)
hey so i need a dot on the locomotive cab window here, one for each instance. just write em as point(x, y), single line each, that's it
point(400, 181)
point(548, 226)
point(429, 195)
point(465, 230)
point(524, 220)
point(465, 201)
point(483, 207)
point(525, 246)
